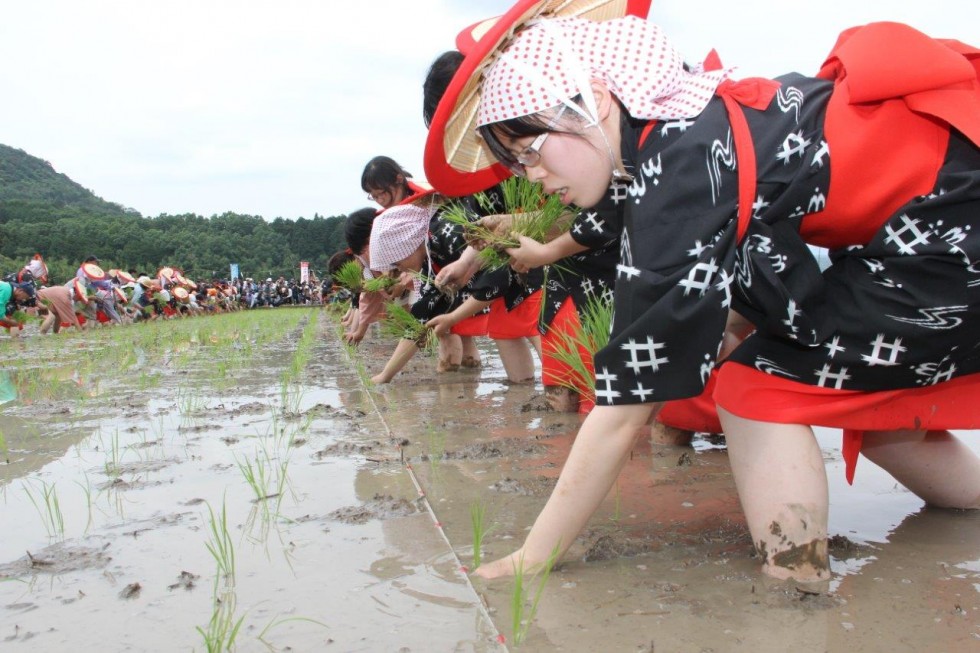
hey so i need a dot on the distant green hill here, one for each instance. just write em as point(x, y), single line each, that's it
point(43, 211)
point(26, 178)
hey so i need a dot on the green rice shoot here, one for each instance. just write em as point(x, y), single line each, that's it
point(378, 284)
point(595, 323)
point(535, 215)
point(350, 276)
point(522, 614)
point(400, 323)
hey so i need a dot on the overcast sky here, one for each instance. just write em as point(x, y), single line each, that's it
point(272, 108)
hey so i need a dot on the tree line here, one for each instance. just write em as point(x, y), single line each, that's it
point(203, 247)
point(43, 211)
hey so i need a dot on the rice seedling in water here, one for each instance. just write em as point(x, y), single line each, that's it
point(223, 628)
point(576, 349)
point(149, 380)
point(48, 507)
point(535, 215)
point(290, 395)
point(437, 447)
point(480, 531)
point(264, 477)
point(522, 614)
point(87, 489)
point(220, 546)
point(350, 276)
point(400, 323)
point(113, 456)
point(618, 505)
point(190, 402)
point(278, 622)
point(4, 451)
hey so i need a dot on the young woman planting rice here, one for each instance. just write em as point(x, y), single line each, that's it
point(723, 183)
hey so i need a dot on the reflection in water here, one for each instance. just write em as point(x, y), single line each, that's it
point(47, 384)
point(8, 392)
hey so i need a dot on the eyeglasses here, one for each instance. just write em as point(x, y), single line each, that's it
point(530, 156)
point(377, 195)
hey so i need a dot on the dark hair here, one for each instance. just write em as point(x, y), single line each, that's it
point(357, 229)
point(383, 172)
point(521, 127)
point(338, 260)
point(437, 80)
point(515, 128)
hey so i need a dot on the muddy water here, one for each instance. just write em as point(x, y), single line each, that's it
point(361, 546)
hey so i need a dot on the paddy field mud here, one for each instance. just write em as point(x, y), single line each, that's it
point(184, 485)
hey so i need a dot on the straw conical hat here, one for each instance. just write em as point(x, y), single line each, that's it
point(455, 161)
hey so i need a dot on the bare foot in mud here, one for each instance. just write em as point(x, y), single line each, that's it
point(446, 366)
point(470, 362)
point(379, 378)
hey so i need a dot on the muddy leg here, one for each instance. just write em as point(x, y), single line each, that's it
point(782, 484)
point(934, 465)
point(450, 353)
point(517, 359)
point(535, 343)
point(561, 399)
point(470, 354)
point(49, 321)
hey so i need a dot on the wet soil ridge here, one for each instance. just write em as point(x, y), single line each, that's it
point(57, 559)
point(379, 507)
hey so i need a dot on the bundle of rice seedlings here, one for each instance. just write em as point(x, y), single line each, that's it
point(400, 323)
point(384, 282)
point(595, 323)
point(426, 280)
point(22, 317)
point(350, 276)
point(535, 215)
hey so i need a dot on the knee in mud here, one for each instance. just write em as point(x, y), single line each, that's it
point(561, 399)
point(812, 555)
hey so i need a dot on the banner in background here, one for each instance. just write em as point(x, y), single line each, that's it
point(304, 271)
point(234, 271)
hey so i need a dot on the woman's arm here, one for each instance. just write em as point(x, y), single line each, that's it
point(599, 452)
point(403, 353)
point(441, 324)
point(458, 272)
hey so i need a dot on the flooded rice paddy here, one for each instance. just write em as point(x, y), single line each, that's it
point(233, 480)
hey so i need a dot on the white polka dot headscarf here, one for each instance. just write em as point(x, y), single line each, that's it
point(397, 233)
point(554, 60)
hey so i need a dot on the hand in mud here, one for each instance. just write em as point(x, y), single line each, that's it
point(354, 337)
point(441, 324)
point(530, 254)
point(500, 568)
